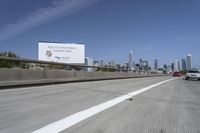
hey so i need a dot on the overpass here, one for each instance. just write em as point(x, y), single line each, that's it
point(20, 72)
point(136, 105)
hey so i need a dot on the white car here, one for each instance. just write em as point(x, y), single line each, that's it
point(193, 74)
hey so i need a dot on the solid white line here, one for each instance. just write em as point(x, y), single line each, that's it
point(73, 119)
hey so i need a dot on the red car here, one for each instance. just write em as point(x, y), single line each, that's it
point(177, 74)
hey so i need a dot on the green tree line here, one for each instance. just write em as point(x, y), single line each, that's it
point(5, 63)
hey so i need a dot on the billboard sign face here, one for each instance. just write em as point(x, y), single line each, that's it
point(61, 52)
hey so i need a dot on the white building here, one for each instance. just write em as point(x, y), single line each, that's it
point(89, 62)
point(130, 59)
point(176, 65)
point(189, 61)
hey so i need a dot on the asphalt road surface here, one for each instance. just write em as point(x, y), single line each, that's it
point(171, 107)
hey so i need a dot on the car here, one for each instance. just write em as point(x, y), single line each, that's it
point(177, 74)
point(193, 74)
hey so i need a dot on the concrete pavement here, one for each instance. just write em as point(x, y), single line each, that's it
point(171, 107)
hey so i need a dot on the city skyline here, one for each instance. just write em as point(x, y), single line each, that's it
point(176, 65)
point(108, 34)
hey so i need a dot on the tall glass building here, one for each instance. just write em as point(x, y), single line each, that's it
point(88, 62)
point(130, 59)
point(183, 62)
point(172, 66)
point(156, 64)
point(176, 65)
point(189, 61)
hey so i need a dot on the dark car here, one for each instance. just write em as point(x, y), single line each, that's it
point(177, 74)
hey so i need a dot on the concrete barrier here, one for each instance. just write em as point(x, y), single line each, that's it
point(14, 77)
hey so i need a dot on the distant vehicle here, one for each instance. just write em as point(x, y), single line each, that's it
point(177, 74)
point(193, 74)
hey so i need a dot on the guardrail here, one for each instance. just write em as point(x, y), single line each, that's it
point(19, 72)
point(8, 62)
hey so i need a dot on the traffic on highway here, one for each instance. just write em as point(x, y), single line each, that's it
point(160, 103)
point(99, 66)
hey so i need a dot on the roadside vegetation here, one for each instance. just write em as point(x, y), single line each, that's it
point(5, 63)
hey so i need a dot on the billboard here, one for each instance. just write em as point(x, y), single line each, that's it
point(61, 52)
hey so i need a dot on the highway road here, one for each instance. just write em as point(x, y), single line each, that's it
point(110, 106)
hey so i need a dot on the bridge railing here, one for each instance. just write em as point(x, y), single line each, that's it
point(8, 62)
point(19, 72)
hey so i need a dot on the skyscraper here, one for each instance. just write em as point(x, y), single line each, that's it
point(184, 67)
point(189, 61)
point(101, 63)
point(130, 59)
point(156, 64)
point(144, 65)
point(165, 68)
point(179, 66)
point(140, 61)
point(172, 66)
point(89, 62)
point(176, 65)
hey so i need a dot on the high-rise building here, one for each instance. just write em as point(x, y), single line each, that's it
point(172, 66)
point(176, 65)
point(137, 67)
point(156, 64)
point(144, 65)
point(165, 68)
point(179, 66)
point(140, 61)
point(130, 59)
point(189, 61)
point(169, 69)
point(101, 63)
point(89, 62)
point(183, 62)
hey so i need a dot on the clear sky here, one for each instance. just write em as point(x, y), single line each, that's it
point(162, 29)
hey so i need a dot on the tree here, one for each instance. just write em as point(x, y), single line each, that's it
point(5, 63)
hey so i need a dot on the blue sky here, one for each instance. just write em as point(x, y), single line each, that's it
point(162, 29)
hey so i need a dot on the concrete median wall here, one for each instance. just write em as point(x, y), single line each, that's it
point(23, 76)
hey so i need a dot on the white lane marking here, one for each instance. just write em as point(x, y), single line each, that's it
point(73, 119)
